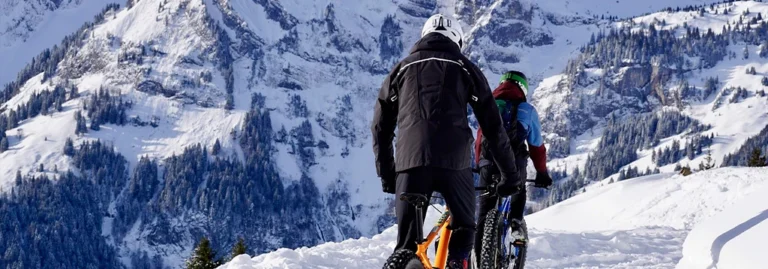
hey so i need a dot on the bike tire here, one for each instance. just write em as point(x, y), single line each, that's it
point(490, 254)
point(399, 259)
point(491, 243)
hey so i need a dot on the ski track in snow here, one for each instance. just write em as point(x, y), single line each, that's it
point(658, 247)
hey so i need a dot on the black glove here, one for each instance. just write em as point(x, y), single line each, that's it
point(388, 175)
point(543, 180)
point(388, 180)
point(388, 184)
point(508, 186)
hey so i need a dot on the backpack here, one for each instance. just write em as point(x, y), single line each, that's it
point(514, 129)
point(508, 111)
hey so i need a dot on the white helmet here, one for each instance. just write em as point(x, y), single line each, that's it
point(445, 26)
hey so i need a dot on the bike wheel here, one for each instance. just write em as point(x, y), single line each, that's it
point(490, 252)
point(492, 255)
point(400, 259)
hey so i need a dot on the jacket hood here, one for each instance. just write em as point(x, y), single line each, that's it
point(508, 91)
point(436, 42)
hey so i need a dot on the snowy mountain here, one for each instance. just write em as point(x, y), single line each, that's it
point(658, 92)
point(248, 118)
point(637, 223)
point(30, 26)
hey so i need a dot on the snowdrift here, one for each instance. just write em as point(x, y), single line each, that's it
point(733, 238)
point(638, 223)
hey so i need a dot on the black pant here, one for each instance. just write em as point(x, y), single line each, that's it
point(490, 174)
point(457, 187)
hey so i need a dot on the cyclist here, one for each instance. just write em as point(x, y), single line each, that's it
point(426, 97)
point(522, 124)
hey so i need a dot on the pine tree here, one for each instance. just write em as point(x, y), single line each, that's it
point(95, 124)
point(756, 159)
point(44, 110)
point(763, 52)
point(59, 105)
point(3, 144)
point(746, 52)
point(216, 148)
point(69, 147)
point(73, 93)
point(80, 126)
point(708, 163)
point(239, 248)
point(204, 256)
point(18, 177)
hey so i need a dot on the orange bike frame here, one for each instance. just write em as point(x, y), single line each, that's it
point(441, 257)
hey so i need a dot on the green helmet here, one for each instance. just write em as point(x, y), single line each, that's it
point(518, 77)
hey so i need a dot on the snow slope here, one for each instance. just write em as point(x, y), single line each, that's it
point(733, 238)
point(37, 141)
point(714, 19)
point(622, 9)
point(29, 27)
point(667, 200)
point(638, 223)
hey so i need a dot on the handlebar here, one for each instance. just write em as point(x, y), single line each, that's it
point(491, 188)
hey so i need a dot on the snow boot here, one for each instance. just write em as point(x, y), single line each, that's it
point(458, 260)
point(516, 230)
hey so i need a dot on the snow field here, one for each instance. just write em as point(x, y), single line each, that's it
point(637, 223)
point(733, 238)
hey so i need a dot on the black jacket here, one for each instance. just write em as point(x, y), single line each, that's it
point(426, 97)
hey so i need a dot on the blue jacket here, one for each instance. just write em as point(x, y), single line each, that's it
point(529, 118)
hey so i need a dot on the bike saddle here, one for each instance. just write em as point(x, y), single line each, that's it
point(417, 199)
